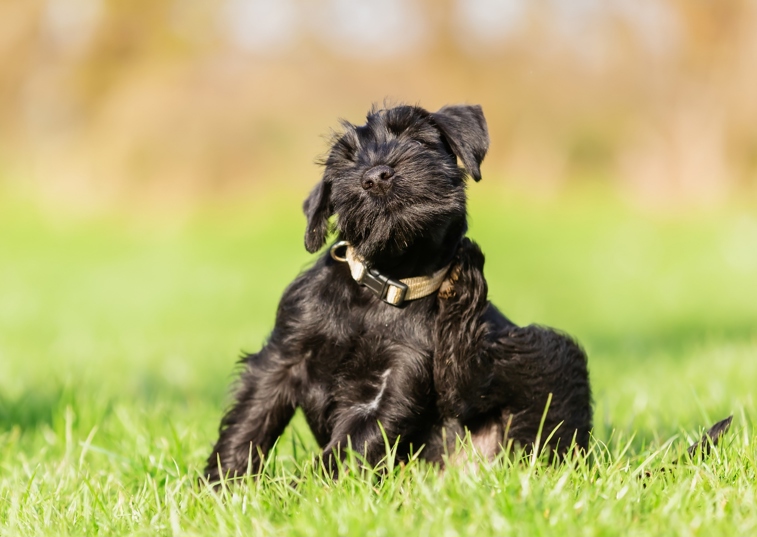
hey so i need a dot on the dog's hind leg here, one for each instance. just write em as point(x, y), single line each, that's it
point(540, 378)
point(264, 406)
point(483, 365)
point(460, 363)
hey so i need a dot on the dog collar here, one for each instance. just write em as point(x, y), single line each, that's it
point(391, 291)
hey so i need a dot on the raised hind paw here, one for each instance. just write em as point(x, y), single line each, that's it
point(465, 281)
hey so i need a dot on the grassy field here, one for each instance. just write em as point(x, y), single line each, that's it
point(118, 338)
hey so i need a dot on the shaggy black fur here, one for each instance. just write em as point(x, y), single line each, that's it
point(428, 370)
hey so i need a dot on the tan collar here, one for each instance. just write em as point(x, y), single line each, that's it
point(391, 291)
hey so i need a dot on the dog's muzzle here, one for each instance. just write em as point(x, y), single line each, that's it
point(391, 291)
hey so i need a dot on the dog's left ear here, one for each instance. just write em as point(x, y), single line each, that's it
point(464, 127)
point(317, 208)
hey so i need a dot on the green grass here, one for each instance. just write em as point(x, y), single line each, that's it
point(118, 338)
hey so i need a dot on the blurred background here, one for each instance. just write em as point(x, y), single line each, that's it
point(171, 103)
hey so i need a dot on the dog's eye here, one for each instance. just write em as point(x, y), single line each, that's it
point(426, 144)
point(422, 143)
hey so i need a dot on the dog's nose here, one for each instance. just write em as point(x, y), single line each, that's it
point(378, 177)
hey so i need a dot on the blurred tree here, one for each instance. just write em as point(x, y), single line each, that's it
point(105, 101)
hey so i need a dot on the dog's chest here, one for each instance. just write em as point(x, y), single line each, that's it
point(372, 345)
point(385, 354)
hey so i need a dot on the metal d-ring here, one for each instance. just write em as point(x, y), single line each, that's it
point(337, 246)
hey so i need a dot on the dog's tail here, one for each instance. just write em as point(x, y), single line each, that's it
point(704, 445)
point(710, 438)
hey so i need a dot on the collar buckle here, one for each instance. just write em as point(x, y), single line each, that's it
point(387, 289)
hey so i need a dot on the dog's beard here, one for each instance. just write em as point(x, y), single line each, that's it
point(389, 227)
point(373, 234)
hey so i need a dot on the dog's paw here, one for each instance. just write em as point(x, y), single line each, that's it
point(470, 256)
point(466, 274)
point(447, 290)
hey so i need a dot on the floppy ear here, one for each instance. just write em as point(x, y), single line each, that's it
point(317, 208)
point(464, 127)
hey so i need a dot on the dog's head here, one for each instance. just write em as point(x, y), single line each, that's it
point(395, 180)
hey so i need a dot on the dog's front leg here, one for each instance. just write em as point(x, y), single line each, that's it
point(366, 419)
point(362, 436)
point(264, 405)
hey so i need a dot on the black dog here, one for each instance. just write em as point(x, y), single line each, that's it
point(391, 349)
